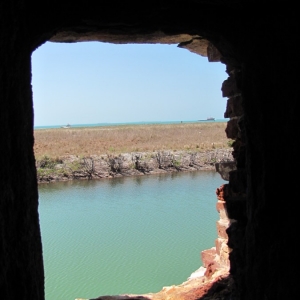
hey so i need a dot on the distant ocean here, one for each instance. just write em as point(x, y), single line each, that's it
point(129, 123)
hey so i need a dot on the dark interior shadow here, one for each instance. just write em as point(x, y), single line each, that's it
point(223, 289)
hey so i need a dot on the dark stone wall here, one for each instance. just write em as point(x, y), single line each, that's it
point(21, 271)
point(259, 48)
point(270, 120)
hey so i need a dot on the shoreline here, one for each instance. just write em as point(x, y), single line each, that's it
point(116, 124)
point(91, 167)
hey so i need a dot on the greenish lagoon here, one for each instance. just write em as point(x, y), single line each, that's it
point(125, 235)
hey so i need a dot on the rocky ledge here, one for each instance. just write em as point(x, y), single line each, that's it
point(218, 287)
point(127, 164)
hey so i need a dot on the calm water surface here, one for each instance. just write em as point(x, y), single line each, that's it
point(125, 235)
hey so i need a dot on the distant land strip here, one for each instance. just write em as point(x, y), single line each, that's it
point(127, 150)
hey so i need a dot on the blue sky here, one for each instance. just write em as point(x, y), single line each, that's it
point(93, 82)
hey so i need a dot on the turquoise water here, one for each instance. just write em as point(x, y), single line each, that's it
point(130, 123)
point(125, 235)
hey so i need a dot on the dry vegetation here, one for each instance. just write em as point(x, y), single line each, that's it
point(87, 141)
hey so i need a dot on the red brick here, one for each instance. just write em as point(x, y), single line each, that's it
point(221, 229)
point(208, 256)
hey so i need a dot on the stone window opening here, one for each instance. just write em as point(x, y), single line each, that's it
point(217, 258)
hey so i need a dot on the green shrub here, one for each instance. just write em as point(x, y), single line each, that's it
point(176, 163)
point(47, 163)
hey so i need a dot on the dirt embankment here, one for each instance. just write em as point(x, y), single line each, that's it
point(127, 164)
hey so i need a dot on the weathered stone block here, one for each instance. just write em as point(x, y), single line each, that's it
point(196, 45)
point(211, 269)
point(221, 229)
point(221, 191)
point(232, 129)
point(234, 107)
point(213, 54)
point(223, 214)
point(208, 256)
point(222, 251)
point(229, 88)
point(220, 206)
point(224, 168)
point(218, 243)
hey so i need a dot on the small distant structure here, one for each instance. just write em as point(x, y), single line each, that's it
point(67, 126)
point(208, 119)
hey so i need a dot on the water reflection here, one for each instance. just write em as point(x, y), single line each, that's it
point(138, 180)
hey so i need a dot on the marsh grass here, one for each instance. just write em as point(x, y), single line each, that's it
point(86, 141)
